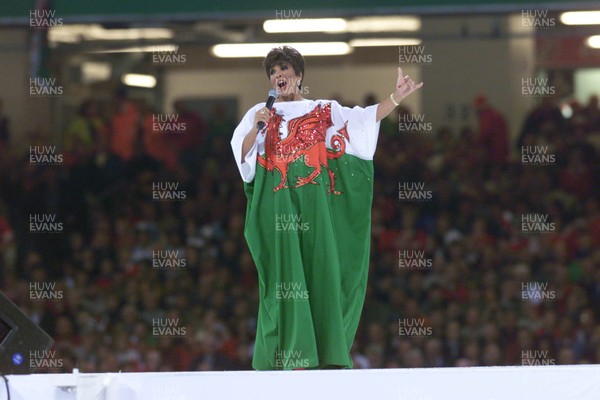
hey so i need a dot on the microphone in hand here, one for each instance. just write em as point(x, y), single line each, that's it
point(272, 96)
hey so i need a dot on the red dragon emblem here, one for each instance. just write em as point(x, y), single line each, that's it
point(306, 138)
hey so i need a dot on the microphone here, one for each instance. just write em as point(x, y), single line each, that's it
point(272, 96)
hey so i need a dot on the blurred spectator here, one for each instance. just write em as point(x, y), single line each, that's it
point(492, 136)
point(7, 250)
point(219, 125)
point(578, 177)
point(370, 99)
point(4, 129)
point(188, 141)
point(543, 117)
point(126, 126)
point(156, 142)
point(592, 114)
point(86, 134)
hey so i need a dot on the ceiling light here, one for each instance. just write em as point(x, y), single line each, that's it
point(240, 50)
point(163, 48)
point(304, 25)
point(139, 80)
point(340, 25)
point(594, 42)
point(384, 24)
point(78, 33)
point(92, 71)
point(380, 42)
point(580, 18)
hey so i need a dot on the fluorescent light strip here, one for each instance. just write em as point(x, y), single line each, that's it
point(163, 48)
point(139, 80)
point(580, 18)
point(339, 25)
point(304, 25)
point(384, 24)
point(381, 42)
point(240, 50)
point(92, 71)
point(77, 33)
point(594, 42)
point(132, 34)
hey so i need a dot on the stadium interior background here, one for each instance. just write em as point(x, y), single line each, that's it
point(485, 241)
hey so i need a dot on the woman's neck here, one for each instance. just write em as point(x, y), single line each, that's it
point(290, 97)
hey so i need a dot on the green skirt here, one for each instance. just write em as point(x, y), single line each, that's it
point(311, 250)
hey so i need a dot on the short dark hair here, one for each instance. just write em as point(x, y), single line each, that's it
point(284, 54)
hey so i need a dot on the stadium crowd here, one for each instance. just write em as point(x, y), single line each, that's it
point(132, 280)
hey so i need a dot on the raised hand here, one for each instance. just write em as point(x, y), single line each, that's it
point(404, 86)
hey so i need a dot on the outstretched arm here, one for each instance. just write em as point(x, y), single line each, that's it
point(404, 87)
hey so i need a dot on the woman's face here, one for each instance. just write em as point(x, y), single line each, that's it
point(284, 79)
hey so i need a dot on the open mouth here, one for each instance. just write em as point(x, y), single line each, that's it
point(281, 84)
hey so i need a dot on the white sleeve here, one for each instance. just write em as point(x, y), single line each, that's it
point(363, 128)
point(247, 167)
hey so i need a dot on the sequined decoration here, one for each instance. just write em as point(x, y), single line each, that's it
point(306, 137)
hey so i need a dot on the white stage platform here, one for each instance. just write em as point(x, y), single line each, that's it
point(578, 382)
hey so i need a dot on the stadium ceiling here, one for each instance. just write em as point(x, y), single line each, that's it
point(16, 12)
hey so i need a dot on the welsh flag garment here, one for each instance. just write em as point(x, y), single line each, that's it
point(309, 183)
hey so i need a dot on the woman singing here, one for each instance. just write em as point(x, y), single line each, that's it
point(308, 177)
